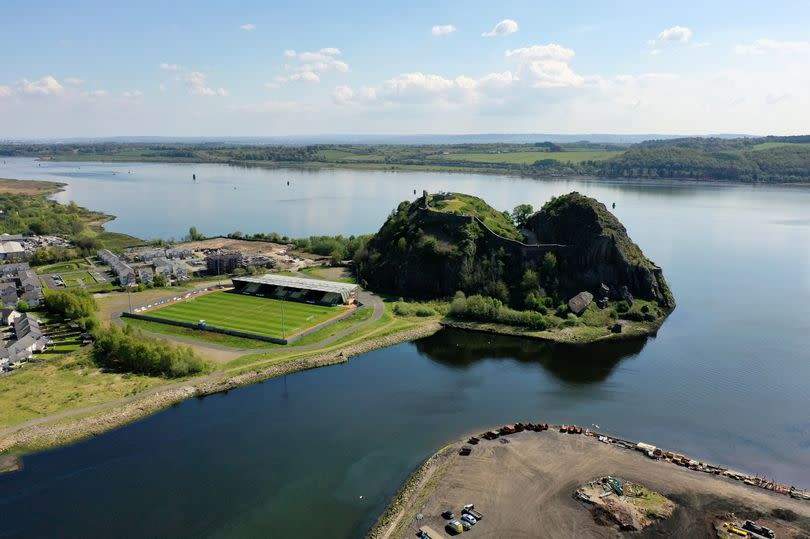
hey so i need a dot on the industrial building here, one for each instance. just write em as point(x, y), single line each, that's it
point(297, 289)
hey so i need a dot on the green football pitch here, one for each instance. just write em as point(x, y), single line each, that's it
point(248, 314)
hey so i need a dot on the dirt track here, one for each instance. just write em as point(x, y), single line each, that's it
point(524, 489)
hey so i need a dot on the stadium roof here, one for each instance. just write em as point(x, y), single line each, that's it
point(297, 282)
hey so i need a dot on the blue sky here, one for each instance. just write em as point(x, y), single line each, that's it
point(279, 68)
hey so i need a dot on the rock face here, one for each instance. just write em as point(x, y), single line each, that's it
point(598, 251)
point(427, 248)
point(440, 244)
point(580, 302)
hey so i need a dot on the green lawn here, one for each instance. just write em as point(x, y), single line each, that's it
point(249, 314)
point(61, 267)
point(527, 158)
point(200, 335)
point(78, 279)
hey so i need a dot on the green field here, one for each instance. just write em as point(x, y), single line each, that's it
point(248, 314)
point(59, 267)
point(527, 158)
point(772, 145)
point(78, 279)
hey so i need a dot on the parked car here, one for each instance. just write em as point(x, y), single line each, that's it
point(455, 526)
point(448, 515)
point(469, 518)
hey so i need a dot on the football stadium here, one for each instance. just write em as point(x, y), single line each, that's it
point(272, 307)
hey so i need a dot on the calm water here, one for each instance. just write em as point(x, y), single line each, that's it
point(319, 453)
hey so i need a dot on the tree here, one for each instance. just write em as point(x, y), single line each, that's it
point(195, 235)
point(72, 304)
point(159, 280)
point(521, 214)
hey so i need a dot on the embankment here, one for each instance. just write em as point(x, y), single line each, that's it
point(68, 429)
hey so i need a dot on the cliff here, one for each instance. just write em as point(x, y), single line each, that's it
point(599, 251)
point(440, 244)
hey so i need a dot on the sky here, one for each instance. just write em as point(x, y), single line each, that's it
point(271, 68)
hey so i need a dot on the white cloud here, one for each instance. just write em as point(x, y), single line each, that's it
point(545, 66)
point(249, 27)
point(132, 94)
point(46, 86)
point(503, 28)
point(303, 76)
point(196, 82)
point(552, 51)
point(676, 34)
point(326, 54)
point(765, 46)
point(6, 91)
point(96, 94)
point(774, 98)
point(443, 29)
point(310, 66)
point(73, 81)
point(342, 95)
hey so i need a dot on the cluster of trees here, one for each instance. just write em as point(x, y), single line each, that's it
point(339, 247)
point(487, 309)
point(26, 214)
point(131, 350)
point(70, 304)
point(76, 305)
point(711, 159)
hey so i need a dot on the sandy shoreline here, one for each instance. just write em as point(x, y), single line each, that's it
point(42, 436)
point(525, 489)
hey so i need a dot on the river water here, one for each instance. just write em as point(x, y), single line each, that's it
point(319, 453)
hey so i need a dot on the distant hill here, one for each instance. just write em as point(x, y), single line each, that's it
point(478, 138)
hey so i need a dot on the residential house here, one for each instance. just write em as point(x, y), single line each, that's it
point(8, 294)
point(30, 289)
point(8, 316)
point(28, 338)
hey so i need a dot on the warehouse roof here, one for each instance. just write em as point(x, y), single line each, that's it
point(297, 282)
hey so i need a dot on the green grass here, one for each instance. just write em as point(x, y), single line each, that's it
point(63, 384)
point(346, 155)
point(249, 314)
point(78, 279)
point(772, 145)
point(200, 335)
point(474, 206)
point(61, 267)
point(323, 272)
point(528, 158)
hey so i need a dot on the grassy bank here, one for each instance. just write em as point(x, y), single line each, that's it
point(64, 384)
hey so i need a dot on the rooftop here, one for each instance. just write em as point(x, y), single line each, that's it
point(297, 282)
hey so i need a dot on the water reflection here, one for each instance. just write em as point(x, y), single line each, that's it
point(589, 364)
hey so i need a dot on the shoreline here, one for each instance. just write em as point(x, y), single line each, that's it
point(46, 435)
point(400, 514)
point(435, 169)
point(640, 331)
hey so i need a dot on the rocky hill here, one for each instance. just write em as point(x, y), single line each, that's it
point(599, 256)
point(440, 244)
